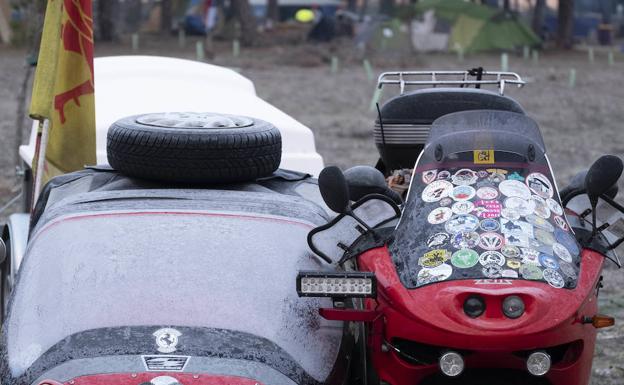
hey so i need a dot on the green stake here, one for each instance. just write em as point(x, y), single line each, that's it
point(375, 99)
point(526, 52)
point(572, 80)
point(199, 50)
point(334, 64)
point(460, 52)
point(504, 62)
point(590, 54)
point(369, 70)
point(181, 38)
point(135, 42)
point(535, 55)
point(611, 58)
point(235, 48)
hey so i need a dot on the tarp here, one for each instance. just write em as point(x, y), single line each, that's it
point(478, 27)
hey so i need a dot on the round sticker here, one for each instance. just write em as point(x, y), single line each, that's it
point(508, 213)
point(463, 193)
point(482, 174)
point(544, 236)
point(465, 240)
point(509, 274)
point(464, 223)
point(515, 176)
point(487, 193)
point(439, 215)
point(559, 221)
point(429, 176)
point(568, 269)
point(491, 257)
point(561, 252)
point(464, 258)
point(548, 261)
point(444, 175)
point(438, 240)
point(540, 185)
point(464, 177)
point(514, 188)
point(491, 241)
point(436, 191)
point(463, 207)
point(541, 208)
point(554, 206)
point(430, 275)
point(489, 225)
point(539, 222)
point(510, 251)
point(522, 206)
point(514, 263)
point(492, 270)
point(497, 176)
point(446, 202)
point(434, 258)
point(488, 208)
point(553, 278)
point(531, 272)
point(567, 240)
point(530, 256)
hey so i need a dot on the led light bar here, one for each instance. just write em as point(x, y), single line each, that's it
point(336, 285)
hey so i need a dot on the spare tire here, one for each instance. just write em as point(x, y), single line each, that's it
point(194, 147)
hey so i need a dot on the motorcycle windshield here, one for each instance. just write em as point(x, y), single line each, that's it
point(483, 215)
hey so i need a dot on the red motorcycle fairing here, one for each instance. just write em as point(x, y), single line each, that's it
point(431, 319)
point(159, 377)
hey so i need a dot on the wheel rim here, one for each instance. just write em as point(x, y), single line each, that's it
point(194, 120)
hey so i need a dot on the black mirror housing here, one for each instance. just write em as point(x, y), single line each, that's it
point(334, 189)
point(602, 176)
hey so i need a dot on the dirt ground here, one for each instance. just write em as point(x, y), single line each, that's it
point(578, 124)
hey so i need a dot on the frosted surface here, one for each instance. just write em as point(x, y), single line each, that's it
point(202, 270)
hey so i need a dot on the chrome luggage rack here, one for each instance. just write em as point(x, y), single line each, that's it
point(450, 78)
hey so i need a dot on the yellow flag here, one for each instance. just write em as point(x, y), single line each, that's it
point(63, 90)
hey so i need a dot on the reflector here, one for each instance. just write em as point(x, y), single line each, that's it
point(602, 321)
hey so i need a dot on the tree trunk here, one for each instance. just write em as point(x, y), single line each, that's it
point(538, 17)
point(243, 13)
point(386, 7)
point(105, 20)
point(506, 5)
point(565, 24)
point(166, 17)
point(273, 11)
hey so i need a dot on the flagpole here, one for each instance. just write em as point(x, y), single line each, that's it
point(40, 149)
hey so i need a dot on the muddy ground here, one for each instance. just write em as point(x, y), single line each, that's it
point(578, 124)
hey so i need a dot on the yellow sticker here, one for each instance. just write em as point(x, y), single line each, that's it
point(483, 156)
point(434, 258)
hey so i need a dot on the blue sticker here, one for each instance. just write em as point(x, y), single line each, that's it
point(567, 240)
point(548, 261)
point(515, 176)
point(489, 225)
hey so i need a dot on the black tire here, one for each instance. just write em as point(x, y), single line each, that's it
point(193, 155)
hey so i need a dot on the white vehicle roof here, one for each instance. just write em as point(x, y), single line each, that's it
point(131, 85)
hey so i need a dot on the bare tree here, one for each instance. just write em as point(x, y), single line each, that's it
point(166, 17)
point(565, 24)
point(243, 13)
point(106, 16)
point(273, 11)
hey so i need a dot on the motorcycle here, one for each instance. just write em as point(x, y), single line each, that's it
point(483, 273)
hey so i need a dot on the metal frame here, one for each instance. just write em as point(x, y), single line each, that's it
point(449, 78)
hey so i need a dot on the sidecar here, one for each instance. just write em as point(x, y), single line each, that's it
point(486, 277)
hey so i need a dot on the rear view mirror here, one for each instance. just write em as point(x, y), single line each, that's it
point(334, 189)
point(602, 176)
point(2, 250)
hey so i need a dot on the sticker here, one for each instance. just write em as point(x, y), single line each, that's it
point(463, 207)
point(161, 363)
point(436, 274)
point(464, 223)
point(489, 225)
point(488, 209)
point(508, 213)
point(492, 270)
point(531, 272)
point(554, 206)
point(464, 258)
point(553, 278)
point(463, 193)
point(465, 240)
point(510, 251)
point(548, 261)
point(439, 215)
point(436, 191)
point(483, 156)
point(509, 273)
point(519, 240)
point(446, 201)
point(437, 240)
point(434, 258)
point(488, 257)
point(167, 339)
point(487, 193)
point(559, 221)
point(561, 252)
point(544, 236)
point(514, 263)
point(429, 176)
point(444, 175)
point(540, 185)
point(482, 174)
point(496, 175)
point(464, 177)
point(539, 222)
point(516, 227)
point(530, 256)
point(491, 241)
point(514, 188)
point(515, 176)
point(568, 270)
point(541, 208)
point(522, 206)
point(567, 240)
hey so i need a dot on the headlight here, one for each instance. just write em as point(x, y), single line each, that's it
point(513, 306)
point(451, 364)
point(474, 306)
point(336, 285)
point(538, 363)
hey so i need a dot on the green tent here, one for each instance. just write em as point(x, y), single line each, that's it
point(479, 27)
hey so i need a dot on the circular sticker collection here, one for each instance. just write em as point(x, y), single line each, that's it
point(495, 223)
